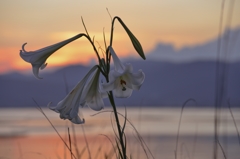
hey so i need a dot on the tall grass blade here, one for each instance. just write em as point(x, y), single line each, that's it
point(179, 125)
point(70, 143)
point(75, 142)
point(224, 155)
point(40, 109)
point(220, 87)
point(234, 121)
point(119, 150)
point(183, 145)
point(114, 131)
point(85, 138)
point(114, 149)
point(142, 142)
point(98, 152)
point(83, 150)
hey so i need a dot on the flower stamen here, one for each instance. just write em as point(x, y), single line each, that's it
point(122, 82)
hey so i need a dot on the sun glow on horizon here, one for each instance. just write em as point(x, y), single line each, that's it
point(180, 24)
point(80, 53)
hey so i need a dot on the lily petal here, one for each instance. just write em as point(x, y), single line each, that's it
point(122, 80)
point(121, 91)
point(119, 67)
point(122, 94)
point(77, 120)
point(109, 86)
point(69, 106)
point(38, 58)
point(137, 79)
point(93, 95)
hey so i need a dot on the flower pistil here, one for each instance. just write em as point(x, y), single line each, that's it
point(123, 84)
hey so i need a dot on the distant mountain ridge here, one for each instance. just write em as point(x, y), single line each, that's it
point(230, 45)
point(172, 77)
point(166, 84)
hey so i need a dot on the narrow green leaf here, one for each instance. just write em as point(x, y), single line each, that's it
point(134, 40)
point(119, 150)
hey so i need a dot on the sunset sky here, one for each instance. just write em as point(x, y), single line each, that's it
point(43, 22)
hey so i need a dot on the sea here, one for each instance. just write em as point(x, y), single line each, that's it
point(150, 132)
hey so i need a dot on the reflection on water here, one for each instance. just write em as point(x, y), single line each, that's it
point(25, 133)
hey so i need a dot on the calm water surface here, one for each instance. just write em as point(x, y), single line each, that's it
point(25, 132)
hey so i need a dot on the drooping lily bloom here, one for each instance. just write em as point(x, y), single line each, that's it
point(93, 93)
point(122, 80)
point(80, 96)
point(38, 58)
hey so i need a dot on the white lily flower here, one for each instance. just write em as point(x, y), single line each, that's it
point(38, 58)
point(94, 94)
point(122, 80)
point(82, 94)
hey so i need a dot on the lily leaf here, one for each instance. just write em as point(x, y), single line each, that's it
point(134, 40)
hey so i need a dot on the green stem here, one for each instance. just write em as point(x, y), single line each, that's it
point(112, 28)
point(110, 95)
point(120, 133)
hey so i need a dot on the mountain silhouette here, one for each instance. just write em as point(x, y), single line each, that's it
point(230, 47)
point(172, 77)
